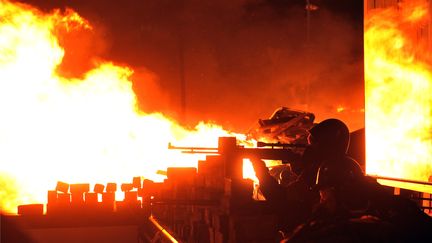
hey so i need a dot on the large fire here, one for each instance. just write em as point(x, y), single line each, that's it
point(398, 81)
point(75, 130)
point(90, 130)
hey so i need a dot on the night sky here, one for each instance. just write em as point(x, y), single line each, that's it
point(239, 59)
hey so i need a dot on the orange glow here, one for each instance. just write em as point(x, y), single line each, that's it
point(398, 82)
point(74, 130)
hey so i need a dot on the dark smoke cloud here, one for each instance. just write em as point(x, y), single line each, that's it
point(240, 59)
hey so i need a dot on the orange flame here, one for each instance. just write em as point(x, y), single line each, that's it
point(74, 130)
point(398, 82)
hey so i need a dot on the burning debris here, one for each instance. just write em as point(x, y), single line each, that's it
point(284, 126)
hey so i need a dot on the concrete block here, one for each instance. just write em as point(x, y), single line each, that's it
point(98, 188)
point(136, 182)
point(125, 187)
point(79, 188)
point(91, 197)
point(52, 197)
point(31, 209)
point(111, 187)
point(62, 187)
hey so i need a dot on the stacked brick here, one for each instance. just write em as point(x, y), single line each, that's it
point(78, 198)
point(211, 203)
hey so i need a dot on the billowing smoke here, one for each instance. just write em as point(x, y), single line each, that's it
point(238, 60)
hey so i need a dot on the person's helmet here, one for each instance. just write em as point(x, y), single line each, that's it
point(338, 172)
point(332, 134)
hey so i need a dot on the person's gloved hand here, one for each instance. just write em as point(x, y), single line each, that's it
point(259, 167)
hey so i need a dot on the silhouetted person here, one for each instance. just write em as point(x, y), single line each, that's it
point(355, 208)
point(294, 203)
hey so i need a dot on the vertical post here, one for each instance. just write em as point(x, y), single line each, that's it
point(182, 80)
point(233, 164)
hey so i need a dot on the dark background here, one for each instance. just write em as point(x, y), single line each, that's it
point(228, 61)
